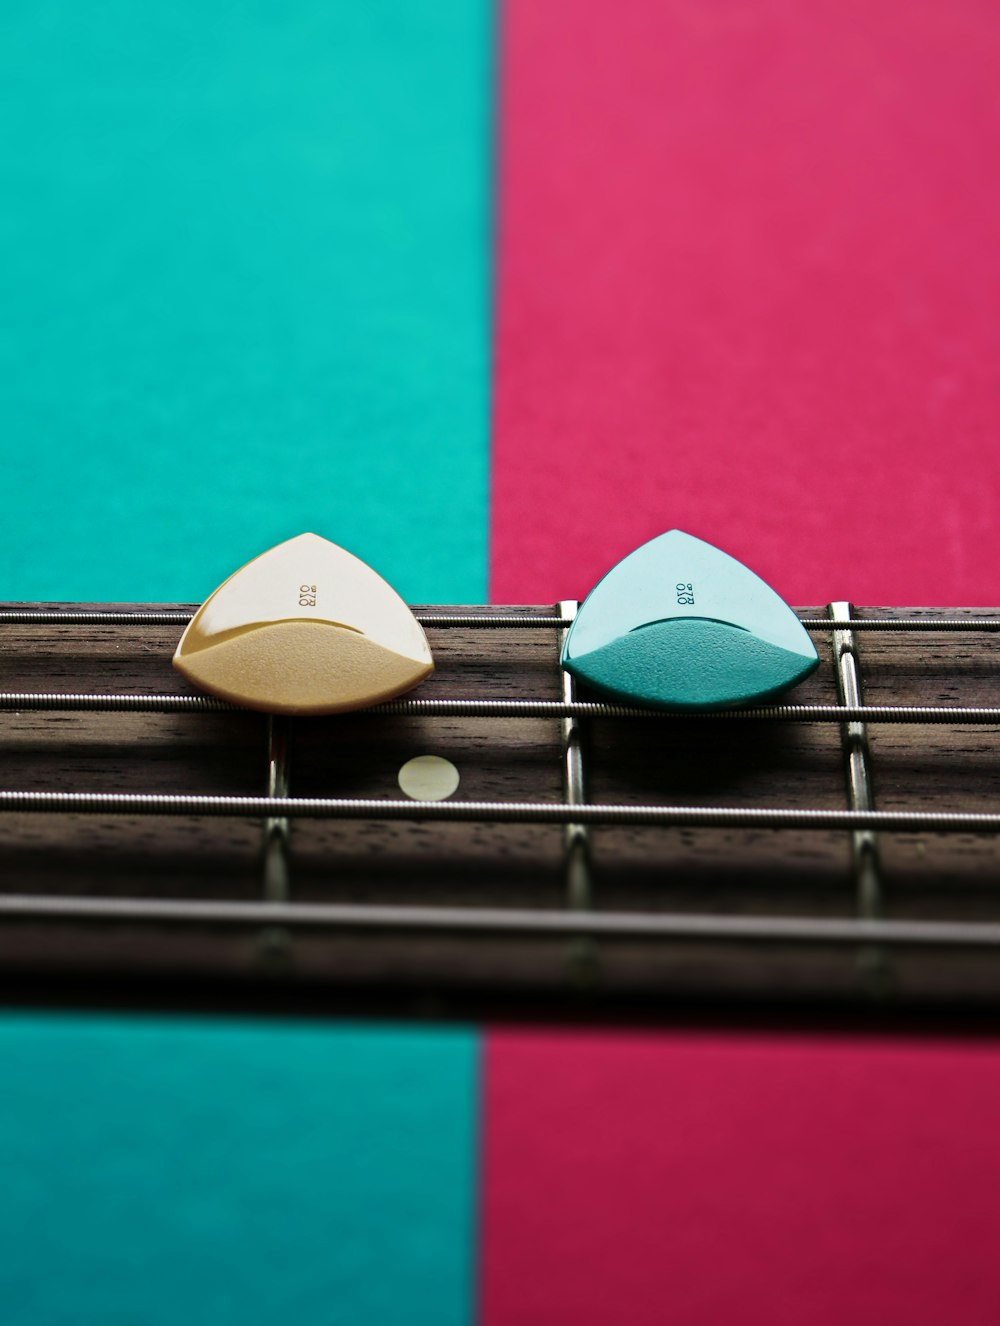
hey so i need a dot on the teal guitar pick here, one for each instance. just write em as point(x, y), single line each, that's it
point(677, 624)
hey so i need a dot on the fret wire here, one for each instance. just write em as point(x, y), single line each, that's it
point(505, 921)
point(860, 796)
point(274, 943)
point(517, 708)
point(277, 827)
point(488, 621)
point(855, 738)
point(512, 812)
point(576, 839)
point(582, 956)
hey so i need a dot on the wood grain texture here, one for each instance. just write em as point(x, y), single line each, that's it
point(725, 871)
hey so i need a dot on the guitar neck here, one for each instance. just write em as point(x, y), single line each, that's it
point(837, 850)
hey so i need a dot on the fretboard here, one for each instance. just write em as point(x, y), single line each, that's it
point(838, 848)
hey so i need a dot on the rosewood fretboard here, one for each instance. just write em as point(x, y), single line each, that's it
point(606, 861)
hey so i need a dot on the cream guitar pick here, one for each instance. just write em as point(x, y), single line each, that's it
point(305, 628)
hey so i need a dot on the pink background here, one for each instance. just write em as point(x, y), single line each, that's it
point(740, 1179)
point(749, 286)
point(749, 275)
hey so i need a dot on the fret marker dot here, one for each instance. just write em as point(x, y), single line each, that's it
point(428, 778)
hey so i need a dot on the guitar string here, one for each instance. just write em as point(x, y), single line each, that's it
point(500, 812)
point(518, 708)
point(485, 620)
point(507, 920)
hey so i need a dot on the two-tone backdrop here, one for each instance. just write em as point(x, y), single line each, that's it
point(490, 297)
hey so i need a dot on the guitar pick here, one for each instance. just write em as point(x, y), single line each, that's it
point(677, 624)
point(305, 628)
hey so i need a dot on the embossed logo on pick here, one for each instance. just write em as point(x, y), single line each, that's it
point(305, 628)
point(678, 624)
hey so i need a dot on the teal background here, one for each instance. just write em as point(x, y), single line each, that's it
point(162, 1172)
point(244, 292)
